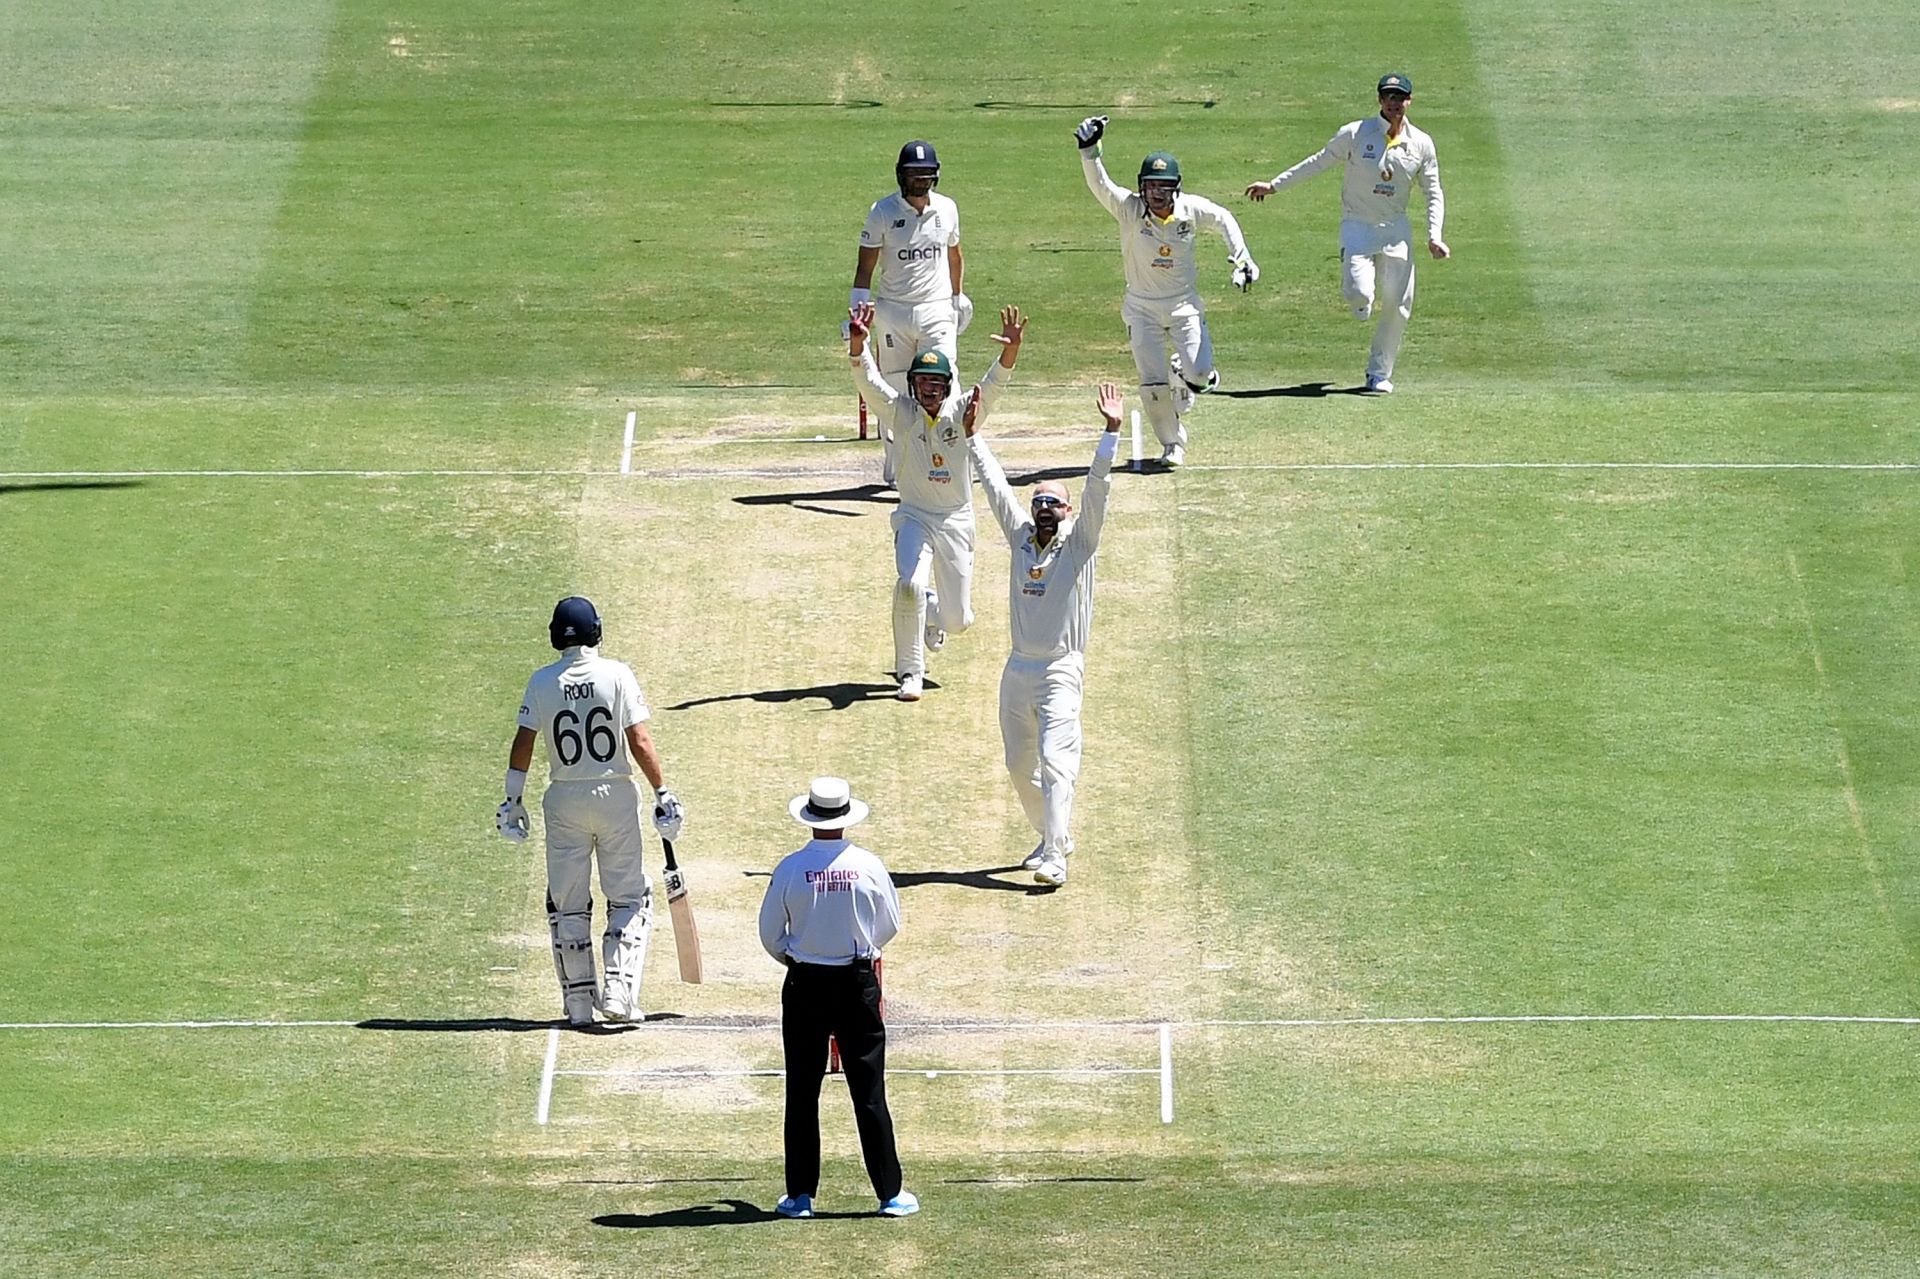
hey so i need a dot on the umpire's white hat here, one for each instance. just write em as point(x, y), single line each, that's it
point(828, 805)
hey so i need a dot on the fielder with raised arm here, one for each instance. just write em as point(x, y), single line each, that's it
point(1050, 587)
point(933, 525)
point(595, 720)
point(1383, 157)
point(910, 268)
point(1163, 310)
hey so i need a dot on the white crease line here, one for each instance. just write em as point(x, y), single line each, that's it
point(891, 1070)
point(767, 1027)
point(1553, 466)
point(1166, 1073)
point(547, 1072)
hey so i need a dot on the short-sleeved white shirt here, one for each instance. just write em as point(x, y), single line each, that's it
point(913, 248)
point(583, 705)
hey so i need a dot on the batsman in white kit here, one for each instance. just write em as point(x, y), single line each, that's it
point(1381, 159)
point(933, 525)
point(1050, 590)
point(1166, 320)
point(594, 718)
point(910, 268)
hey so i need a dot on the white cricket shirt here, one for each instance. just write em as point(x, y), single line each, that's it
point(929, 454)
point(913, 248)
point(1159, 252)
point(831, 902)
point(1050, 588)
point(583, 705)
point(1379, 177)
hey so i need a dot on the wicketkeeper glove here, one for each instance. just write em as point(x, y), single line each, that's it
point(668, 814)
point(511, 820)
point(1244, 273)
point(1090, 131)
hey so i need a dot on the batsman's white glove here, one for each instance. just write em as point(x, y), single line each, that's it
point(962, 312)
point(1244, 273)
point(668, 814)
point(511, 820)
point(1090, 131)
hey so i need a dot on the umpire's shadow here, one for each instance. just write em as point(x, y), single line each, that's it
point(728, 1212)
point(878, 494)
point(838, 697)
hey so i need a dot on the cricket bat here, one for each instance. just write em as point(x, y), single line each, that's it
point(686, 938)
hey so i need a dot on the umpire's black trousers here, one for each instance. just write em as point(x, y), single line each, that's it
point(817, 1001)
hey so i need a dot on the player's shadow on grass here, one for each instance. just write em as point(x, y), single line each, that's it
point(468, 1025)
point(1298, 391)
point(727, 1212)
point(838, 697)
point(879, 494)
point(1047, 473)
point(970, 879)
point(62, 486)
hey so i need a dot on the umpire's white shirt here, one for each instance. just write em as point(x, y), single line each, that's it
point(913, 247)
point(1158, 253)
point(1378, 178)
point(1050, 588)
point(831, 903)
point(583, 705)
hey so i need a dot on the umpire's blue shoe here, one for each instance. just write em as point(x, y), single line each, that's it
point(795, 1206)
point(901, 1205)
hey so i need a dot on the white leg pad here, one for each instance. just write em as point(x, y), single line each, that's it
point(624, 954)
point(572, 933)
point(1162, 415)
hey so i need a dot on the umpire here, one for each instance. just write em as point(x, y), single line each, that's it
point(829, 910)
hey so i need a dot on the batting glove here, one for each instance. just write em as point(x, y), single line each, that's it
point(511, 820)
point(854, 298)
point(1244, 274)
point(1090, 131)
point(668, 814)
point(962, 312)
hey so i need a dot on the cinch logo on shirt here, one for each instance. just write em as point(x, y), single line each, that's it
point(918, 255)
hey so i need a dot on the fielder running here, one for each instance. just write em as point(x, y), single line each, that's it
point(933, 525)
point(594, 718)
point(1384, 156)
point(1050, 585)
point(913, 238)
point(1163, 309)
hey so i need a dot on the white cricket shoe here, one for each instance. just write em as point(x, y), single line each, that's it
point(1379, 386)
point(904, 1204)
point(909, 688)
point(620, 1006)
point(1051, 870)
point(580, 1008)
point(1034, 858)
point(1173, 456)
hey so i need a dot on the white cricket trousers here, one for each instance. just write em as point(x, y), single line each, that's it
point(1155, 326)
point(1386, 275)
point(929, 549)
point(901, 330)
point(1040, 728)
point(582, 818)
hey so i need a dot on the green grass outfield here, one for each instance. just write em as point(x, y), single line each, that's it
point(1491, 788)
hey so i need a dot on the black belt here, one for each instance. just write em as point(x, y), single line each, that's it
point(863, 964)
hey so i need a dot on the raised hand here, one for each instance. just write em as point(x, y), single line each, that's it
point(1110, 404)
point(860, 319)
point(1090, 130)
point(1013, 327)
point(972, 414)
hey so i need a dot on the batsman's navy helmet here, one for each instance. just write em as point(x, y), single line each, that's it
point(575, 621)
point(917, 154)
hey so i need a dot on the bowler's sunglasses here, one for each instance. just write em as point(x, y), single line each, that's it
point(1047, 499)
